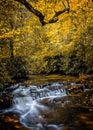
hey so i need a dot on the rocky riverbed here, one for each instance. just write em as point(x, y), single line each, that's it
point(47, 103)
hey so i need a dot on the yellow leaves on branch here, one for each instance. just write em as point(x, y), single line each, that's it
point(10, 33)
point(6, 33)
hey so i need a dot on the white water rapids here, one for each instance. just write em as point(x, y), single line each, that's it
point(27, 102)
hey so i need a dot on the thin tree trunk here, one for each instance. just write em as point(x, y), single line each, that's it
point(11, 49)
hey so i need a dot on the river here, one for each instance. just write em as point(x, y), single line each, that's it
point(48, 103)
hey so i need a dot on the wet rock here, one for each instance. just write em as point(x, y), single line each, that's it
point(51, 127)
point(5, 102)
point(87, 98)
point(75, 89)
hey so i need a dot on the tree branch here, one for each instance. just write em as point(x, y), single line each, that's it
point(40, 15)
point(34, 11)
point(55, 17)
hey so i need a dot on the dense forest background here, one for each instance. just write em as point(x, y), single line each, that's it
point(45, 36)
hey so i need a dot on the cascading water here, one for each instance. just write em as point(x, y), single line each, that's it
point(27, 102)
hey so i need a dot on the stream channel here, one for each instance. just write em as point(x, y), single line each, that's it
point(48, 103)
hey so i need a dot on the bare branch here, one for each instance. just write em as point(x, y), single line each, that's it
point(41, 16)
point(55, 17)
point(66, 4)
point(34, 11)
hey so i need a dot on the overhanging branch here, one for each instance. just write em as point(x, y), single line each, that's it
point(40, 15)
point(34, 11)
point(55, 17)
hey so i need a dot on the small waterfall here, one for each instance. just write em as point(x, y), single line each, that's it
point(27, 102)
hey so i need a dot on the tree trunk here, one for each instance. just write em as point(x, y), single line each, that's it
point(11, 49)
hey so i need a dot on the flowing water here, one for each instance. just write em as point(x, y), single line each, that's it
point(46, 105)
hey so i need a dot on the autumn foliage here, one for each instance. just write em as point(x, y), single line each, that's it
point(63, 45)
